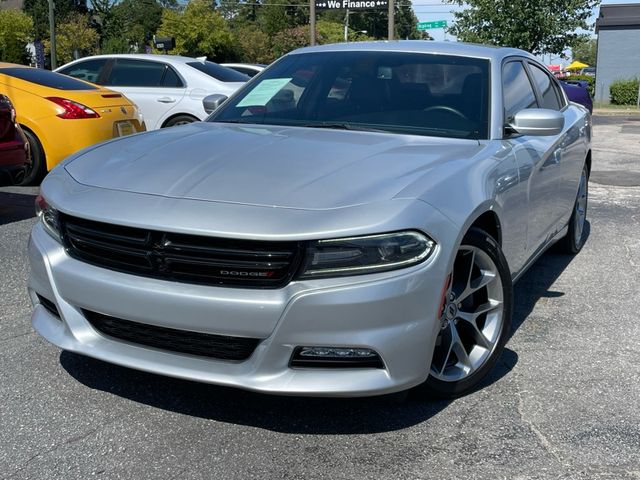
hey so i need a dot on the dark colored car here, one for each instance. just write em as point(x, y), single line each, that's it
point(578, 92)
point(14, 151)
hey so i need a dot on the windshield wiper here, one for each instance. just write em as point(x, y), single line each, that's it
point(341, 126)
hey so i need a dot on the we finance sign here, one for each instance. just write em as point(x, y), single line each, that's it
point(351, 4)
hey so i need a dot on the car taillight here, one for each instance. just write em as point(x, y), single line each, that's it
point(73, 110)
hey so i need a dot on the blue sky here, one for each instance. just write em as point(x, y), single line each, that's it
point(430, 10)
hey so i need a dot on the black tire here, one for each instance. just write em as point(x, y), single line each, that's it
point(38, 169)
point(576, 236)
point(180, 120)
point(476, 240)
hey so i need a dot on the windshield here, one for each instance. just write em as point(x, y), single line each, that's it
point(412, 93)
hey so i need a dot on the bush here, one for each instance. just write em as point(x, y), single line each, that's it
point(624, 91)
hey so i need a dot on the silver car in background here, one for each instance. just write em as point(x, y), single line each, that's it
point(350, 223)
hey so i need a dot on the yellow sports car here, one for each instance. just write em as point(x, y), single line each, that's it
point(61, 115)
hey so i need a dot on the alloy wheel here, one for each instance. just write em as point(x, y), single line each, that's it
point(472, 318)
point(581, 209)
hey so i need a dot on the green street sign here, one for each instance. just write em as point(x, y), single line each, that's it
point(431, 25)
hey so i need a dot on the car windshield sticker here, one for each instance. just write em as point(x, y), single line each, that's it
point(263, 92)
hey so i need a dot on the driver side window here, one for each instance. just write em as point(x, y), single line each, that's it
point(517, 92)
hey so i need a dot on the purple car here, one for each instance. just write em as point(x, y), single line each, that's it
point(578, 92)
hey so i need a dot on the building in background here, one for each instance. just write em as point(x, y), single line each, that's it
point(618, 29)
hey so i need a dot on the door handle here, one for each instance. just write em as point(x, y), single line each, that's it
point(165, 100)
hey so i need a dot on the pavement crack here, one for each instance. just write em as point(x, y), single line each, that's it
point(542, 438)
point(632, 247)
point(64, 443)
point(18, 335)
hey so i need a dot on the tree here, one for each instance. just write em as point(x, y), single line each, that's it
point(74, 38)
point(15, 32)
point(538, 26)
point(290, 39)
point(585, 51)
point(253, 45)
point(132, 25)
point(38, 10)
point(376, 22)
point(199, 30)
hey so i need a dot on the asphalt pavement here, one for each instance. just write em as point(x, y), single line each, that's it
point(564, 402)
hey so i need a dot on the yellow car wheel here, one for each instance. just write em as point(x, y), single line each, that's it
point(38, 168)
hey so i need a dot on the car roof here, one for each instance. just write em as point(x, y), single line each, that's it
point(421, 46)
point(12, 65)
point(172, 59)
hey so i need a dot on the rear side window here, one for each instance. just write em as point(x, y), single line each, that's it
point(171, 79)
point(88, 71)
point(545, 86)
point(46, 78)
point(219, 72)
point(136, 73)
point(517, 91)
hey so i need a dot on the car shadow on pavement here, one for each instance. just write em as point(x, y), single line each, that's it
point(299, 415)
point(15, 207)
point(303, 415)
point(535, 284)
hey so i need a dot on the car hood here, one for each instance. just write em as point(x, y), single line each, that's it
point(274, 166)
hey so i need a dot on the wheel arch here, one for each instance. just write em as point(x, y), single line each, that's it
point(490, 223)
point(587, 162)
point(29, 127)
point(181, 114)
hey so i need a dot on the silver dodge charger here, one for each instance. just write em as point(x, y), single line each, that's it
point(349, 223)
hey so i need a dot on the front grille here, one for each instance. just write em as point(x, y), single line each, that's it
point(181, 341)
point(181, 257)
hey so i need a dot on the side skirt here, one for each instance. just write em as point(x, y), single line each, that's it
point(559, 234)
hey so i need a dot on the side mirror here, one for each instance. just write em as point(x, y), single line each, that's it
point(212, 102)
point(538, 121)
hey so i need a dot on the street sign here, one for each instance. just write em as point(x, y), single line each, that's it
point(351, 4)
point(432, 25)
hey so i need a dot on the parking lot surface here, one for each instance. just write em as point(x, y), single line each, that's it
point(564, 402)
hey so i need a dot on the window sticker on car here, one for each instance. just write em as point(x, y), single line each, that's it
point(263, 92)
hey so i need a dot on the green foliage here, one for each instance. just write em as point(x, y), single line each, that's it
point(290, 39)
point(15, 32)
point(38, 10)
point(133, 22)
point(625, 91)
point(199, 30)
point(585, 51)
point(538, 26)
point(589, 79)
point(115, 45)
point(222, 30)
point(74, 36)
point(252, 45)
point(407, 23)
point(279, 15)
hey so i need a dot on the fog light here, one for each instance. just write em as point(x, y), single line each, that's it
point(335, 357)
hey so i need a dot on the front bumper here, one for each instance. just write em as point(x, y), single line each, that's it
point(393, 313)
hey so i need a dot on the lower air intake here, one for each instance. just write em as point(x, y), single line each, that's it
point(170, 339)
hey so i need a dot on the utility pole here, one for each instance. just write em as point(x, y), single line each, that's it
point(52, 33)
point(312, 21)
point(346, 26)
point(392, 20)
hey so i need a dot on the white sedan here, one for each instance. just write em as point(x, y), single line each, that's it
point(168, 89)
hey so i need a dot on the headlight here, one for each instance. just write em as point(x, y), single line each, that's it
point(49, 217)
point(370, 254)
